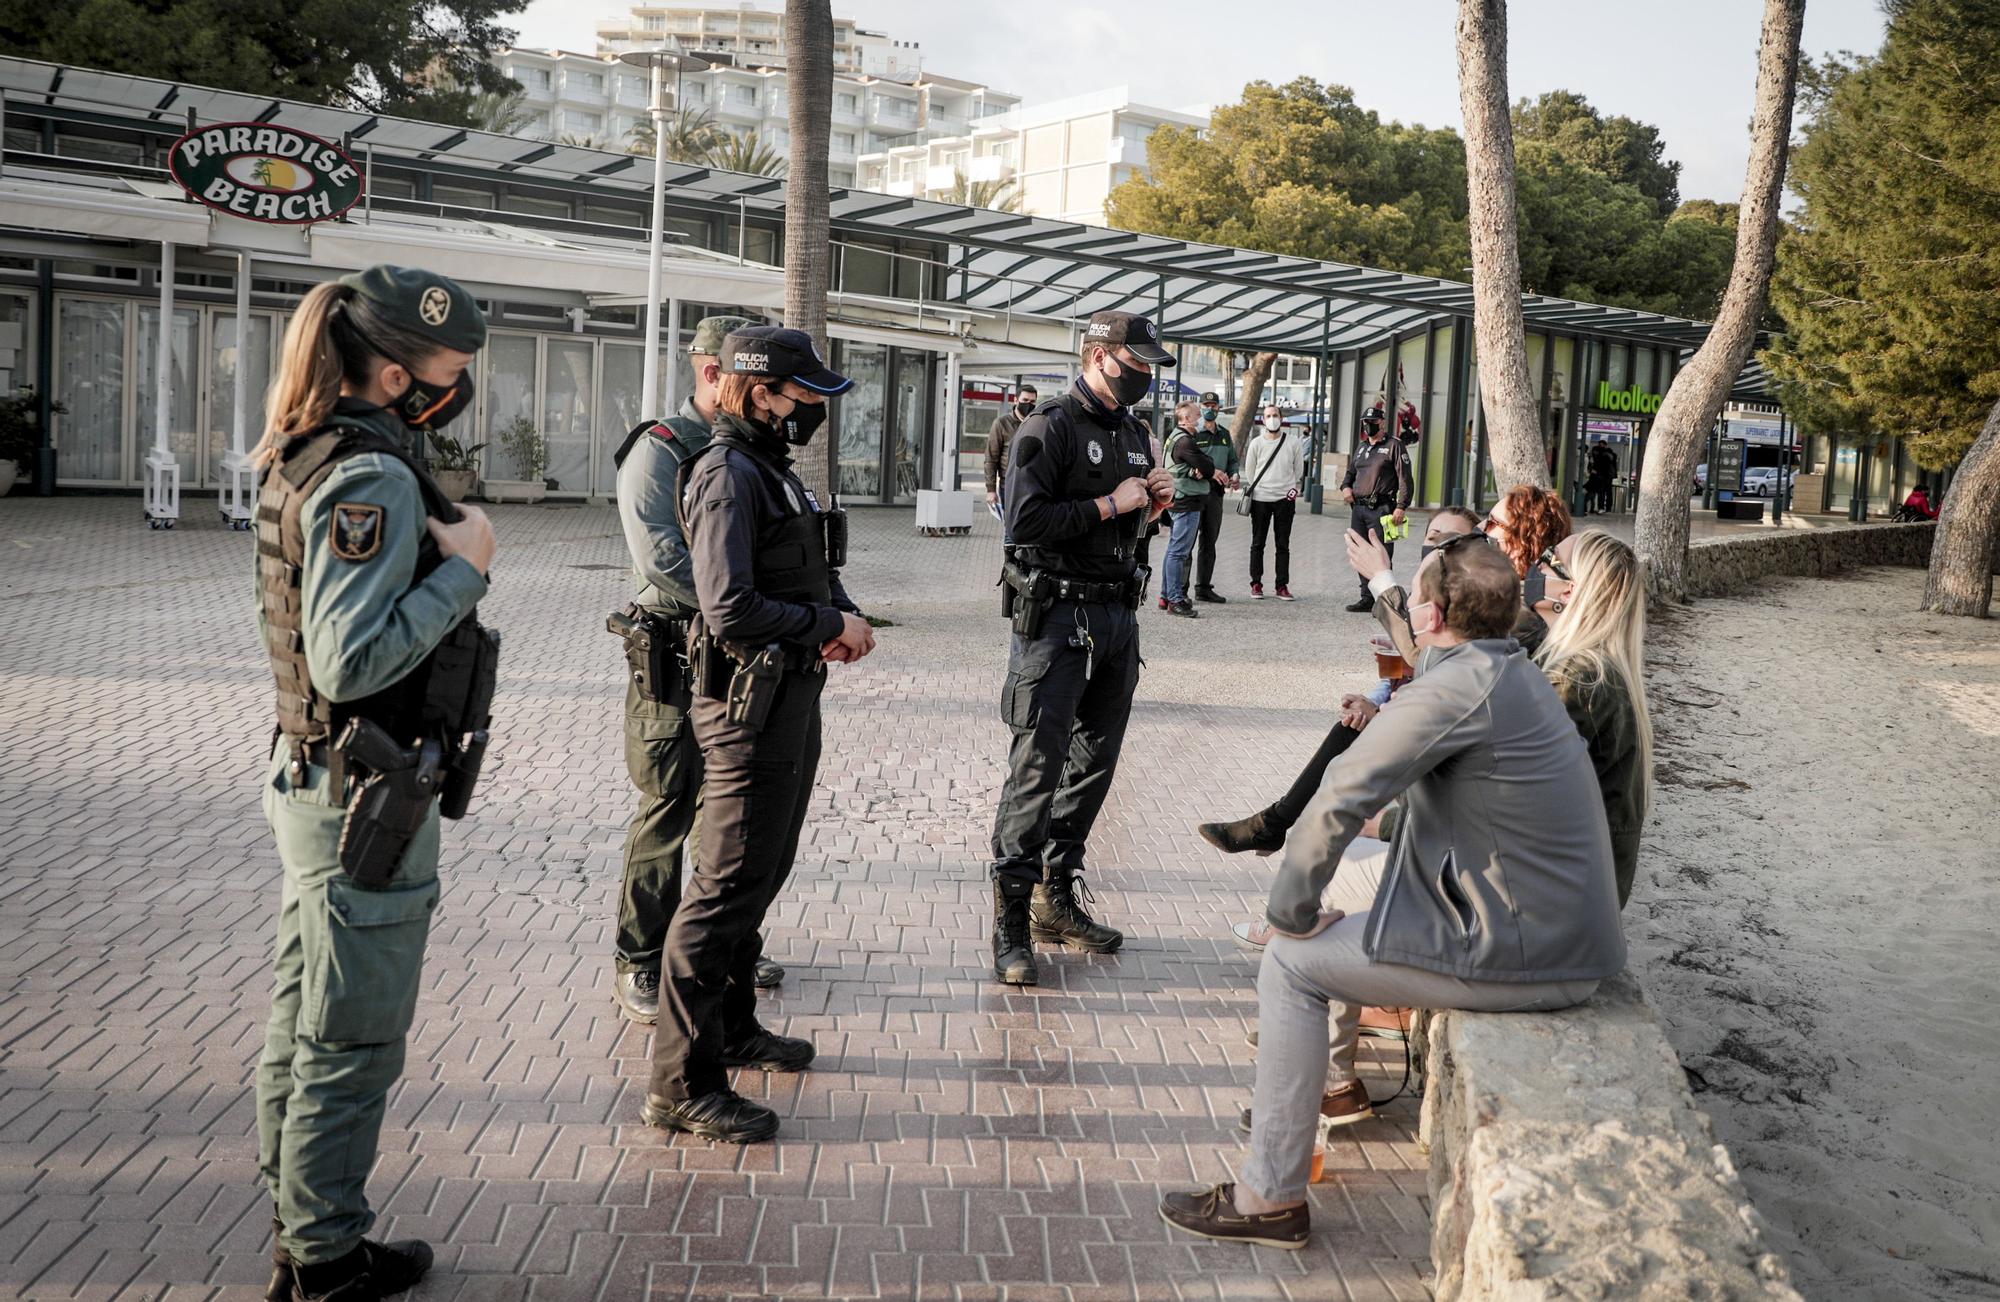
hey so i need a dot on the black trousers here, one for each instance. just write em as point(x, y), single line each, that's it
point(1068, 707)
point(1368, 516)
point(1204, 542)
point(1287, 811)
point(1272, 517)
point(754, 792)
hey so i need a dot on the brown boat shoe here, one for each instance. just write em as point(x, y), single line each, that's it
point(1212, 1214)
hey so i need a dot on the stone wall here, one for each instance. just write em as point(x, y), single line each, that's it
point(1568, 1160)
point(1720, 565)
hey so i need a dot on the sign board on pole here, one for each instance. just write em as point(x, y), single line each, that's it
point(265, 172)
point(1729, 466)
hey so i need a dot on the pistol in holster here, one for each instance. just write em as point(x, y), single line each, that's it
point(1142, 579)
point(655, 655)
point(391, 790)
point(1034, 593)
point(753, 688)
point(465, 669)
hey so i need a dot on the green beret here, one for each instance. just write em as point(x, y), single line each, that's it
point(710, 331)
point(434, 306)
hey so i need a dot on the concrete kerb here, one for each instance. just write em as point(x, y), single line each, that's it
point(1568, 1160)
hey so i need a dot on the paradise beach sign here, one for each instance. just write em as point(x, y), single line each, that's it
point(266, 173)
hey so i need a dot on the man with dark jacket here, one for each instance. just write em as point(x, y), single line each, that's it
point(1378, 483)
point(1001, 435)
point(1211, 437)
point(1480, 900)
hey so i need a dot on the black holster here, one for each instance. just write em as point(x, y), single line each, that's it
point(834, 523)
point(655, 654)
point(753, 688)
point(1034, 594)
point(391, 790)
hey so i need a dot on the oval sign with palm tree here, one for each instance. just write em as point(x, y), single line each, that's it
point(265, 172)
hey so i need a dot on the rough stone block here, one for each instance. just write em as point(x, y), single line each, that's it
point(1568, 1160)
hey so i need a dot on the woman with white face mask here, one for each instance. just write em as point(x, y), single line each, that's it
point(1273, 467)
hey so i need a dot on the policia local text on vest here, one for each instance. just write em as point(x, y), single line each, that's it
point(1081, 486)
point(368, 578)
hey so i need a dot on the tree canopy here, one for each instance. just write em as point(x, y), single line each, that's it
point(413, 58)
point(1889, 279)
point(1303, 169)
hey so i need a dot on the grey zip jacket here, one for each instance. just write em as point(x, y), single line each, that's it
point(1500, 868)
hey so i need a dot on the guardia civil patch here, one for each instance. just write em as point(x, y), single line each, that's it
point(357, 530)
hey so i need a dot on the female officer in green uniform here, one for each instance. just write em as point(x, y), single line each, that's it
point(367, 580)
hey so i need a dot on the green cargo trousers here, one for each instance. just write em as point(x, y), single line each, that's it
point(665, 765)
point(349, 962)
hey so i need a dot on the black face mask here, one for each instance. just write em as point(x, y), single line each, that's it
point(1424, 553)
point(799, 425)
point(423, 405)
point(1024, 408)
point(1129, 385)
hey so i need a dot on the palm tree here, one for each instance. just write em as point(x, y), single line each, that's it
point(503, 114)
point(733, 153)
point(582, 140)
point(1000, 196)
point(808, 33)
point(690, 135)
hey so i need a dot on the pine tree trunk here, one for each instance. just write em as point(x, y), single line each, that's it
point(1962, 558)
point(1513, 419)
point(808, 250)
point(1695, 398)
point(1247, 411)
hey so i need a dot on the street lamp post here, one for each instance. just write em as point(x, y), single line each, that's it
point(657, 61)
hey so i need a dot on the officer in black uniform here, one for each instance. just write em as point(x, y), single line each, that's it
point(765, 554)
point(1378, 484)
point(1081, 486)
point(660, 753)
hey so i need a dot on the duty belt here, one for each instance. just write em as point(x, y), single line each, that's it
point(1087, 592)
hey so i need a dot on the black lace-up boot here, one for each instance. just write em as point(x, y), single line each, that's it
point(1058, 915)
point(1013, 953)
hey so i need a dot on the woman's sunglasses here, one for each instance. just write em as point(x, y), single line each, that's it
point(1556, 567)
point(1460, 540)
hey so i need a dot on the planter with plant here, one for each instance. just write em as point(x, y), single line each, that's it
point(524, 444)
point(453, 465)
point(20, 436)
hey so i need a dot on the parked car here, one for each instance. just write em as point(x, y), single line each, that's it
point(1762, 481)
point(1700, 478)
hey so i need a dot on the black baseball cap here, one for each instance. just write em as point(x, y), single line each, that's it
point(781, 354)
point(1138, 334)
point(1212, 397)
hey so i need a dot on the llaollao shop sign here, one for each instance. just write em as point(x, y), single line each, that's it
point(266, 173)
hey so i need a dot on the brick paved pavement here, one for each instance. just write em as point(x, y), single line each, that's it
point(954, 1141)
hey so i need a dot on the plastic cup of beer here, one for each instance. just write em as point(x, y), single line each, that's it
point(1319, 1157)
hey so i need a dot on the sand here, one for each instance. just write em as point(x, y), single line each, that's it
point(1817, 918)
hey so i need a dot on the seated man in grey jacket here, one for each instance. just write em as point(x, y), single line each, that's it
point(1497, 893)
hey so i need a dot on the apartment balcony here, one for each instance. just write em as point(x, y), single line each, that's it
point(988, 167)
point(731, 109)
point(885, 123)
point(906, 188)
point(941, 124)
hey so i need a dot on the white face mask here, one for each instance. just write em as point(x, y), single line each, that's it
point(1274, 422)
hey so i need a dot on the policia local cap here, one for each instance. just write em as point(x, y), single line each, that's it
point(781, 354)
point(1139, 335)
point(710, 331)
point(437, 307)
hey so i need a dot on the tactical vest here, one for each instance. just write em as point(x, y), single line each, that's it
point(1088, 477)
point(789, 563)
point(1218, 448)
point(304, 714)
point(682, 439)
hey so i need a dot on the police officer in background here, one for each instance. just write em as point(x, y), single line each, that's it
point(1377, 484)
point(368, 579)
point(765, 554)
point(1212, 438)
point(660, 751)
point(1082, 483)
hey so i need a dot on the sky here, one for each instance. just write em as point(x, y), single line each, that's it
point(1688, 67)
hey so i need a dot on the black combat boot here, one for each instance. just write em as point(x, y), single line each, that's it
point(280, 1287)
point(373, 1270)
point(637, 995)
point(1013, 954)
point(1057, 915)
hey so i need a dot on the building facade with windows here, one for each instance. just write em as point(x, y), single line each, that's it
point(596, 100)
point(1059, 160)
